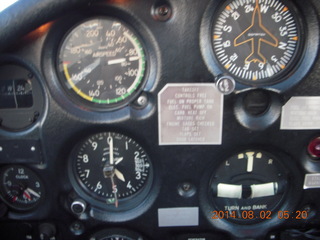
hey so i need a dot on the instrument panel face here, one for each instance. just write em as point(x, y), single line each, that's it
point(255, 41)
point(115, 74)
point(102, 63)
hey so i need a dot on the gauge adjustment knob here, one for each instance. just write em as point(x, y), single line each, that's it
point(78, 206)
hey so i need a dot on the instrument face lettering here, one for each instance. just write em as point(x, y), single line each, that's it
point(111, 168)
point(249, 182)
point(102, 63)
point(20, 188)
point(256, 41)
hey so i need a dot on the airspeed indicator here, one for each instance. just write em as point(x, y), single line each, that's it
point(102, 63)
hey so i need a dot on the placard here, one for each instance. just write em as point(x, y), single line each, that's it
point(190, 114)
point(301, 113)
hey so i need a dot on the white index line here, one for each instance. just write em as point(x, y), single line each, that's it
point(250, 161)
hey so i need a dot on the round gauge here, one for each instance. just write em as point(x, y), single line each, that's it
point(116, 234)
point(116, 237)
point(22, 100)
point(257, 41)
point(21, 189)
point(112, 168)
point(249, 187)
point(102, 62)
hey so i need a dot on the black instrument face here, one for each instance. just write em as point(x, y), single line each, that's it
point(20, 188)
point(256, 41)
point(249, 186)
point(111, 168)
point(102, 63)
point(116, 237)
point(22, 101)
point(116, 234)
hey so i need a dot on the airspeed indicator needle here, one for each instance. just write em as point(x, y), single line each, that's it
point(116, 61)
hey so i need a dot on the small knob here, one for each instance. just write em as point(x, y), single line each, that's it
point(78, 206)
point(225, 84)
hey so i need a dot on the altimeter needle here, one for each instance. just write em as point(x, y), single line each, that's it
point(110, 143)
point(114, 190)
point(119, 175)
point(118, 160)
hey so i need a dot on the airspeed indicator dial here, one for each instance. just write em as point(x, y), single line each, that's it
point(256, 41)
point(102, 63)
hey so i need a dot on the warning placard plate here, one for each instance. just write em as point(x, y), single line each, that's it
point(190, 114)
point(301, 113)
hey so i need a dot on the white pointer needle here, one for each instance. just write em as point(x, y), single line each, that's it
point(33, 192)
point(118, 160)
point(116, 61)
point(119, 175)
point(110, 142)
point(250, 156)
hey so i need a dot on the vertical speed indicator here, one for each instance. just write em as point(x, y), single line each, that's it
point(256, 41)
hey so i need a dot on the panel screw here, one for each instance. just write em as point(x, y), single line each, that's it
point(141, 102)
point(163, 10)
point(77, 228)
point(162, 13)
point(186, 189)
